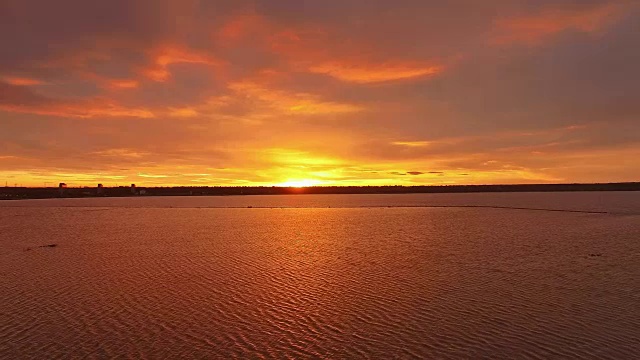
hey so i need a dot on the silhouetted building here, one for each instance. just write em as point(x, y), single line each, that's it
point(100, 190)
point(61, 188)
point(133, 188)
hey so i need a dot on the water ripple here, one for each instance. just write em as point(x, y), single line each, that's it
point(404, 282)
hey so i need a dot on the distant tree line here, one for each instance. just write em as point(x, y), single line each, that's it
point(7, 193)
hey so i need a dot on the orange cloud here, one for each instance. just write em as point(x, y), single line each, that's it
point(121, 153)
point(91, 108)
point(21, 81)
point(368, 73)
point(315, 50)
point(123, 84)
point(164, 57)
point(183, 112)
point(73, 111)
point(243, 26)
point(412, 143)
point(532, 29)
point(280, 101)
point(303, 44)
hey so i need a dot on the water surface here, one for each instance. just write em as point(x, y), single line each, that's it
point(322, 276)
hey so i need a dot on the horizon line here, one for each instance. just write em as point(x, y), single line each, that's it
point(322, 186)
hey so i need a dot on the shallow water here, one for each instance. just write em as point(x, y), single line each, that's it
point(322, 276)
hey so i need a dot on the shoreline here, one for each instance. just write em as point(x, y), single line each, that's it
point(20, 193)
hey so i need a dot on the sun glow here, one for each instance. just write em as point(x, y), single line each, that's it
point(300, 183)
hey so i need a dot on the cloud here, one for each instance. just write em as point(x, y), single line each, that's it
point(183, 112)
point(364, 74)
point(276, 102)
point(121, 153)
point(123, 84)
point(15, 98)
point(21, 81)
point(166, 56)
point(352, 92)
point(411, 143)
point(534, 28)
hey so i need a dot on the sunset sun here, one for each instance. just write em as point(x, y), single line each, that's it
point(300, 183)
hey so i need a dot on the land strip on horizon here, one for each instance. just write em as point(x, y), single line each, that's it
point(15, 193)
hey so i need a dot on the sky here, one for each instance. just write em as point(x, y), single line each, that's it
point(301, 92)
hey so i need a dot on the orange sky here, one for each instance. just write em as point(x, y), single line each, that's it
point(350, 92)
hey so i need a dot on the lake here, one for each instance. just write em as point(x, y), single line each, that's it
point(492, 275)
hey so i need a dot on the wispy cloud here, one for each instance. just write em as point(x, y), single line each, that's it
point(534, 28)
point(376, 73)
